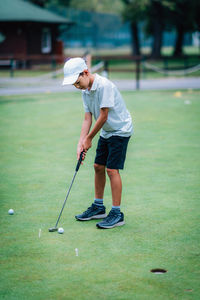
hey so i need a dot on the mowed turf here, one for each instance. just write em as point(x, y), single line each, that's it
point(39, 135)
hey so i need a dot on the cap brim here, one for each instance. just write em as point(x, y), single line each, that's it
point(70, 79)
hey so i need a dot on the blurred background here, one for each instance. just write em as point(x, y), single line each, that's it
point(161, 36)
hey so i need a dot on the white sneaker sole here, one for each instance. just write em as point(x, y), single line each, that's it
point(93, 217)
point(108, 227)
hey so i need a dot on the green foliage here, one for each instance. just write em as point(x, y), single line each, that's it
point(103, 6)
point(182, 13)
point(158, 15)
point(174, 12)
point(135, 11)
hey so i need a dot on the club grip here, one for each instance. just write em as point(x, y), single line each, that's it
point(79, 161)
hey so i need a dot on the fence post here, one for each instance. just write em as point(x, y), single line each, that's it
point(88, 58)
point(12, 66)
point(53, 64)
point(185, 65)
point(105, 71)
point(144, 70)
point(138, 73)
point(166, 67)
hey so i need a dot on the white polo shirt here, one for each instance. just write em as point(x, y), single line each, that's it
point(104, 93)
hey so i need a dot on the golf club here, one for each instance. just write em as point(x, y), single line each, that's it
point(55, 228)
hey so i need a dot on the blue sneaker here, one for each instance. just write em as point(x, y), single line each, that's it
point(112, 220)
point(93, 212)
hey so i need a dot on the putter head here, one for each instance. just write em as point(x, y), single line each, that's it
point(53, 229)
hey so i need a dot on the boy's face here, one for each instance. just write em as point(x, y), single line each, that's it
point(83, 81)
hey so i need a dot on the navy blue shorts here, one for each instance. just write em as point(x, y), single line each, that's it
point(111, 152)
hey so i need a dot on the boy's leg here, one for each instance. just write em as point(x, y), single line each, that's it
point(97, 210)
point(115, 216)
point(117, 147)
point(99, 167)
point(100, 180)
point(116, 186)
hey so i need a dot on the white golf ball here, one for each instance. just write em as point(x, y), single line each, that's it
point(11, 211)
point(60, 230)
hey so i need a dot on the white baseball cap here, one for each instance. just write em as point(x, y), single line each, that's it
point(72, 68)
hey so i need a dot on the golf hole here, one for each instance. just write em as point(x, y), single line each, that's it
point(158, 271)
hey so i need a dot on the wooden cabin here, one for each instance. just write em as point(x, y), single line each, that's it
point(28, 31)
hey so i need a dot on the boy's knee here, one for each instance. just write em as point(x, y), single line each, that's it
point(99, 168)
point(112, 172)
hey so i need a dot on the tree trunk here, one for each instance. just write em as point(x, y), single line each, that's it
point(135, 39)
point(157, 26)
point(157, 40)
point(178, 51)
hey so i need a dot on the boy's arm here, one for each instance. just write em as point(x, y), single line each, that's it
point(87, 141)
point(87, 122)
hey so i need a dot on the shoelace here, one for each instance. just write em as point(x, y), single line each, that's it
point(91, 208)
point(110, 216)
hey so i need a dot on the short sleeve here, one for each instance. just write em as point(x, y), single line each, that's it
point(107, 96)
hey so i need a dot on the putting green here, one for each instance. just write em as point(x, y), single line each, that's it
point(161, 190)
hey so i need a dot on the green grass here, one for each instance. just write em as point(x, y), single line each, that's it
point(38, 138)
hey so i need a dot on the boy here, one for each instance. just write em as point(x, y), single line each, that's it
point(102, 100)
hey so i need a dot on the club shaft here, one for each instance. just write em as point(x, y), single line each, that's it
point(66, 198)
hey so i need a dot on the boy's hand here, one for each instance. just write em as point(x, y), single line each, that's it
point(87, 143)
point(79, 150)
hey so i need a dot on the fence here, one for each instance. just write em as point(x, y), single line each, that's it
point(141, 66)
point(136, 65)
point(14, 62)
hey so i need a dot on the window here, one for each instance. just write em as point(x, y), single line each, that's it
point(46, 40)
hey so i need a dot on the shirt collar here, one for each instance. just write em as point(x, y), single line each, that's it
point(94, 85)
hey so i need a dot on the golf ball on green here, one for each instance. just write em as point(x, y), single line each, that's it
point(11, 211)
point(60, 230)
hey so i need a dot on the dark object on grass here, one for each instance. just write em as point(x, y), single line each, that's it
point(158, 271)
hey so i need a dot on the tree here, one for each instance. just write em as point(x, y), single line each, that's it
point(103, 6)
point(155, 25)
point(134, 12)
point(184, 17)
point(158, 15)
point(153, 13)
